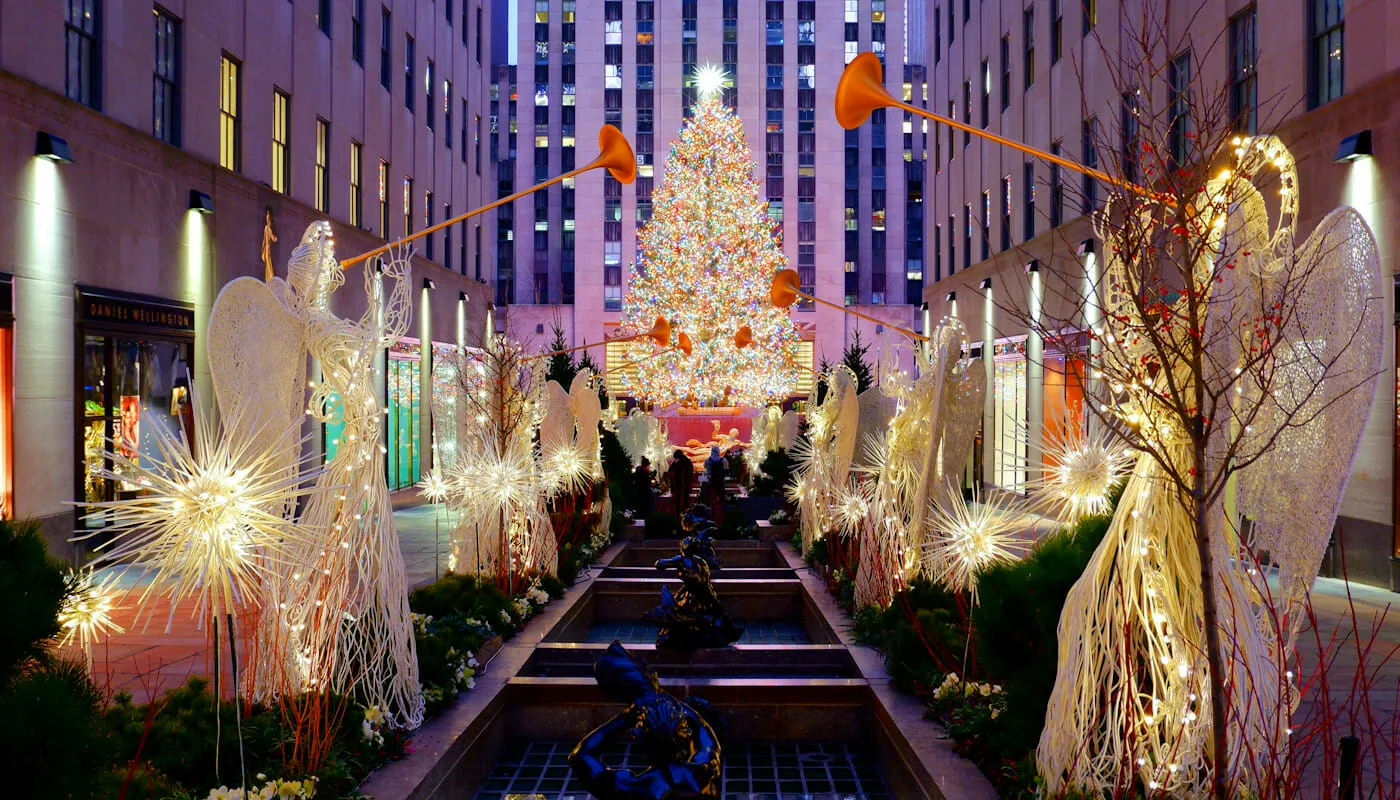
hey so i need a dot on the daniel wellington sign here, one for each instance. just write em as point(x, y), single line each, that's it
point(108, 308)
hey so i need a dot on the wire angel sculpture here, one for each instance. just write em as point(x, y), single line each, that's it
point(823, 461)
point(336, 617)
point(916, 462)
point(1292, 336)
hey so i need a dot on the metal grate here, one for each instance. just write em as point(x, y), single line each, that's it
point(755, 632)
point(785, 771)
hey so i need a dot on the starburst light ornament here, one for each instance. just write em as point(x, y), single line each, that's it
point(208, 520)
point(709, 80)
point(86, 614)
point(967, 539)
point(435, 486)
point(1086, 467)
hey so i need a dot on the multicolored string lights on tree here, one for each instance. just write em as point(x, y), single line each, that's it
point(705, 262)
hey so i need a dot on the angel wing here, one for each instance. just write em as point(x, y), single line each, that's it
point(257, 359)
point(962, 413)
point(557, 427)
point(787, 429)
point(587, 410)
point(1320, 386)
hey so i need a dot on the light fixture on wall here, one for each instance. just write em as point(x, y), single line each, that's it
point(429, 283)
point(1032, 266)
point(985, 284)
point(952, 297)
point(1355, 147)
point(1086, 247)
point(201, 202)
point(53, 148)
point(462, 296)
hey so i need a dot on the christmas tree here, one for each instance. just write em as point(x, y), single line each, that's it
point(705, 262)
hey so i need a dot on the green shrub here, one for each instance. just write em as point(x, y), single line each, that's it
point(661, 525)
point(467, 596)
point(774, 474)
point(617, 468)
point(32, 590)
point(618, 523)
point(1017, 618)
point(925, 646)
point(736, 524)
point(817, 554)
point(51, 745)
point(553, 586)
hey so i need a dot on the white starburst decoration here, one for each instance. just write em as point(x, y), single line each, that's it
point(86, 614)
point(1086, 468)
point(435, 486)
point(967, 539)
point(210, 516)
point(566, 470)
point(709, 79)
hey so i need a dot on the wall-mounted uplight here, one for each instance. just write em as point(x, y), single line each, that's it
point(1355, 147)
point(985, 284)
point(462, 296)
point(53, 148)
point(1032, 266)
point(952, 297)
point(1086, 247)
point(201, 202)
point(428, 283)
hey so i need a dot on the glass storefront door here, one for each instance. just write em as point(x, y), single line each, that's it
point(131, 388)
point(1009, 416)
point(405, 413)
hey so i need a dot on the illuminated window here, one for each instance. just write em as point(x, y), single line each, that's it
point(356, 191)
point(323, 173)
point(281, 142)
point(230, 130)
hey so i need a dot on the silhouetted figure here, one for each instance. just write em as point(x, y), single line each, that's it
point(699, 529)
point(716, 469)
point(681, 476)
point(682, 753)
point(641, 483)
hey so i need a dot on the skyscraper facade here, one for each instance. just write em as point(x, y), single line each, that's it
point(839, 200)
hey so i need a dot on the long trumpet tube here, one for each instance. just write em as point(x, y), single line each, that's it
point(615, 156)
point(861, 90)
point(785, 290)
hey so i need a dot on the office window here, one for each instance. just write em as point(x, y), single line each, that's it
point(986, 93)
point(1005, 212)
point(447, 114)
point(447, 242)
point(383, 199)
point(447, 11)
point(466, 11)
point(1089, 156)
point(357, 31)
point(1325, 26)
point(967, 111)
point(1091, 14)
point(967, 236)
point(1028, 201)
point(937, 253)
point(83, 56)
point(478, 35)
point(281, 142)
point(165, 104)
point(428, 223)
point(429, 94)
point(357, 198)
point(476, 142)
point(986, 225)
point(385, 31)
point(1179, 106)
point(952, 244)
point(1005, 72)
point(323, 173)
point(937, 35)
point(410, 89)
point(1244, 99)
point(1057, 27)
point(463, 149)
point(952, 143)
point(1028, 40)
point(407, 206)
point(230, 98)
point(1128, 126)
point(1057, 187)
point(476, 250)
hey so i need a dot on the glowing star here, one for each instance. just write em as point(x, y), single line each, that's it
point(435, 486)
point(969, 538)
point(709, 80)
point(566, 470)
point(210, 517)
point(86, 614)
point(1085, 469)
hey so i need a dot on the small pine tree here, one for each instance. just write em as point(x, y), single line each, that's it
point(822, 369)
point(854, 360)
point(561, 366)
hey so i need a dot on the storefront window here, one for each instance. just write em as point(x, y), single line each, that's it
point(132, 388)
point(405, 410)
point(1063, 400)
point(1009, 416)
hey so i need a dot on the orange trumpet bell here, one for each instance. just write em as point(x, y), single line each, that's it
point(615, 155)
point(683, 342)
point(660, 332)
point(860, 91)
point(743, 337)
point(784, 291)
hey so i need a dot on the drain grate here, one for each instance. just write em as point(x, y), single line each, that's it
point(780, 771)
point(755, 632)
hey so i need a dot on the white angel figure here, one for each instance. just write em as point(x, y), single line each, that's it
point(338, 617)
point(917, 462)
point(1293, 335)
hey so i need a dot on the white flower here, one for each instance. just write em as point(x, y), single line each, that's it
point(374, 715)
point(471, 683)
point(472, 662)
point(505, 617)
